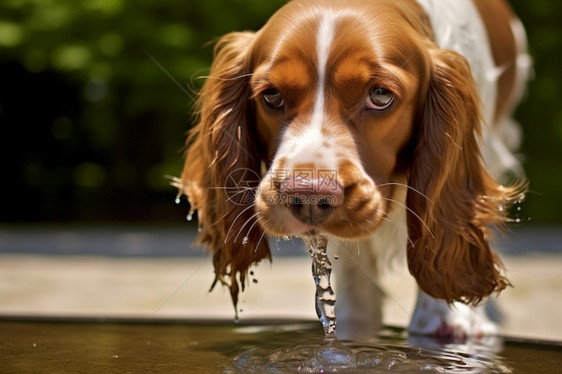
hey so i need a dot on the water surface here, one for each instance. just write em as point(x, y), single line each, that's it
point(121, 346)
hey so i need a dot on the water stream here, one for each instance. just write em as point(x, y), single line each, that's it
point(331, 352)
point(325, 298)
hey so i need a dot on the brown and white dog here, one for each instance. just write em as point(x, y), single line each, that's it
point(381, 123)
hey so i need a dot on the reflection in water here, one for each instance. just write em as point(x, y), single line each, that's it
point(394, 354)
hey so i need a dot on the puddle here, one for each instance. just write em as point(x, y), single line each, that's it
point(121, 346)
point(392, 352)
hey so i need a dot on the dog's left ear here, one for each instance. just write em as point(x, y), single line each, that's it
point(453, 200)
point(222, 165)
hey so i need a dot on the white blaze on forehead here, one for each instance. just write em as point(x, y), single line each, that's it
point(324, 40)
point(306, 145)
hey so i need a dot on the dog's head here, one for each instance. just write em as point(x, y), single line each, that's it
point(321, 120)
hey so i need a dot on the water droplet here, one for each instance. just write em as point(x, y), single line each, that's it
point(245, 240)
point(286, 238)
point(189, 216)
point(336, 257)
point(500, 208)
point(519, 208)
point(517, 220)
point(178, 197)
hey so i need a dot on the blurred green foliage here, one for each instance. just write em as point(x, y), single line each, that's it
point(96, 96)
point(540, 113)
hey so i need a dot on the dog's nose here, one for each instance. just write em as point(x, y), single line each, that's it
point(312, 201)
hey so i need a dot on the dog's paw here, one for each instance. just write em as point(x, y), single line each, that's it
point(456, 322)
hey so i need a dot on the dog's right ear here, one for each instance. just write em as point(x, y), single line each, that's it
point(222, 165)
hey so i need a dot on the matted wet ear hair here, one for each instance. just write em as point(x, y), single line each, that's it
point(219, 147)
point(458, 201)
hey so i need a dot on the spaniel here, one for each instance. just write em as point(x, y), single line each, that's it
point(383, 124)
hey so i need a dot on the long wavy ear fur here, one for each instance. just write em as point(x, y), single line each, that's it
point(222, 165)
point(457, 201)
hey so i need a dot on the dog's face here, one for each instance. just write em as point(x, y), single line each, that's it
point(341, 112)
point(335, 98)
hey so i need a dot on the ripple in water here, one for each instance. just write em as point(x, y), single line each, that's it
point(332, 356)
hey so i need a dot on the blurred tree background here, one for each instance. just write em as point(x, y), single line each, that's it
point(96, 97)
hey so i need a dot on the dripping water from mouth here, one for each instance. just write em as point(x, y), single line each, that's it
point(331, 352)
point(325, 298)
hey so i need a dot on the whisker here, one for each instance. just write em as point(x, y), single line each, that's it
point(408, 187)
point(244, 225)
point(384, 218)
point(195, 76)
point(254, 224)
point(414, 213)
point(259, 241)
point(396, 223)
point(236, 219)
point(410, 241)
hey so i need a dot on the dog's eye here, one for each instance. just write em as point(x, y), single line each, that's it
point(379, 98)
point(273, 98)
